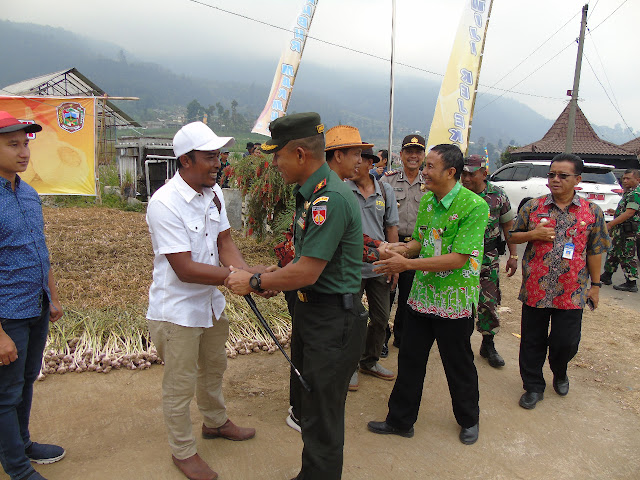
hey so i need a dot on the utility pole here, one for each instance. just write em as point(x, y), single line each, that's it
point(573, 103)
point(393, 48)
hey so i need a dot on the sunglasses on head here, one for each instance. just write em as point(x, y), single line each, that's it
point(563, 176)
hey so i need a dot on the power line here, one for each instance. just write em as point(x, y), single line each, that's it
point(510, 90)
point(534, 51)
point(607, 94)
point(607, 17)
point(337, 45)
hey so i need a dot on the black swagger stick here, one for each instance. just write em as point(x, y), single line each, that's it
point(266, 326)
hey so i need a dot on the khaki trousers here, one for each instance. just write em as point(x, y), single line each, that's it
point(194, 361)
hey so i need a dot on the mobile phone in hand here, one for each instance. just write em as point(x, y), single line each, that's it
point(590, 304)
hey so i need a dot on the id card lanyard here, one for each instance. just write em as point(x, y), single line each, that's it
point(569, 247)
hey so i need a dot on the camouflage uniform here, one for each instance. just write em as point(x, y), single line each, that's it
point(623, 250)
point(499, 212)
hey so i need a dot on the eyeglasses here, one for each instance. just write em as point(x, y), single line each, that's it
point(563, 176)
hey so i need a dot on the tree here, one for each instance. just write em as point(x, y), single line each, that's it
point(505, 157)
point(234, 115)
point(220, 109)
point(195, 111)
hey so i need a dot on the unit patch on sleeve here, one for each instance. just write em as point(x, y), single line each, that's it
point(320, 199)
point(319, 214)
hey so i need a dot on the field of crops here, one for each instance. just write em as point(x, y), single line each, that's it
point(103, 261)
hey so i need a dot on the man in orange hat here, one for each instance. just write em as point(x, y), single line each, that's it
point(344, 150)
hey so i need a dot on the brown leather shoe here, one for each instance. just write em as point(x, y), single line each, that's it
point(194, 468)
point(230, 431)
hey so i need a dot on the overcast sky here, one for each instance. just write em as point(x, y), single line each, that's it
point(150, 29)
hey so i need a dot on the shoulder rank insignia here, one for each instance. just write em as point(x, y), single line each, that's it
point(320, 185)
point(320, 199)
point(391, 172)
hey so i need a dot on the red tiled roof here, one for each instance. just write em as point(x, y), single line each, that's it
point(585, 139)
point(633, 146)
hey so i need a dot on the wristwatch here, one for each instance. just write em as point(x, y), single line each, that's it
point(596, 284)
point(255, 282)
point(514, 257)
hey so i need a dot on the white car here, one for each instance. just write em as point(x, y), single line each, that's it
point(525, 180)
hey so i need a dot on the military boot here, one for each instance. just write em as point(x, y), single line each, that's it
point(605, 278)
point(628, 286)
point(488, 351)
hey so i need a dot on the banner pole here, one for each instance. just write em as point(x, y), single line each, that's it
point(97, 145)
point(393, 45)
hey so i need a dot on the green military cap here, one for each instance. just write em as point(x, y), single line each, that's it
point(292, 127)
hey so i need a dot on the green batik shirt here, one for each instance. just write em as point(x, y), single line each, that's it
point(327, 226)
point(630, 199)
point(457, 223)
point(499, 212)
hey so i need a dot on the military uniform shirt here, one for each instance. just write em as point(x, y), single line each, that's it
point(499, 213)
point(327, 226)
point(460, 220)
point(408, 196)
point(630, 199)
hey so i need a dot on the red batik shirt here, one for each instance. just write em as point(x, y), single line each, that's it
point(548, 279)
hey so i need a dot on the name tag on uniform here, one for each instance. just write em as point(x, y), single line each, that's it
point(437, 243)
point(568, 250)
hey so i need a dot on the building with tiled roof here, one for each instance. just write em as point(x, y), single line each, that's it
point(586, 144)
point(633, 146)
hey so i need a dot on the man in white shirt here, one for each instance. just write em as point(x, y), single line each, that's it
point(191, 236)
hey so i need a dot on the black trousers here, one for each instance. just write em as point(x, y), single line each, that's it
point(326, 345)
point(405, 280)
point(453, 337)
point(562, 343)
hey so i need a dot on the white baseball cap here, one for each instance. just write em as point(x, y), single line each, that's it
point(197, 136)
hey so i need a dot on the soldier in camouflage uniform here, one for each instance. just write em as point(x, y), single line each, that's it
point(500, 216)
point(624, 230)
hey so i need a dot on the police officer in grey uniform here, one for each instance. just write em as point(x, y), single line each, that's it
point(409, 187)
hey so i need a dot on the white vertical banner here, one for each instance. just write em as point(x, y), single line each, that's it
point(454, 109)
point(287, 70)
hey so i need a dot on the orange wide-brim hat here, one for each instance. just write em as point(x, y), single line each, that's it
point(343, 136)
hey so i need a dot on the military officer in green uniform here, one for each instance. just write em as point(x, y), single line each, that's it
point(474, 177)
point(329, 321)
point(624, 230)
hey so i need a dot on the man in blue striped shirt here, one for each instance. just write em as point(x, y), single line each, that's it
point(28, 301)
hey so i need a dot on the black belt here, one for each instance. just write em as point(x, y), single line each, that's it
point(327, 298)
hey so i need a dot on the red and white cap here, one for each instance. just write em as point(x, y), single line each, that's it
point(197, 136)
point(9, 123)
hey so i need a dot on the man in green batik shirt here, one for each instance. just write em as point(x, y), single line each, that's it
point(329, 321)
point(624, 230)
point(448, 240)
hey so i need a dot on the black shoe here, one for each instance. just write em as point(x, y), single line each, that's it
point(628, 286)
point(383, 428)
point(469, 436)
point(528, 400)
point(561, 386)
point(605, 278)
point(385, 351)
point(488, 351)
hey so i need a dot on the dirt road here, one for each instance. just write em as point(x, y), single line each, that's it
point(111, 425)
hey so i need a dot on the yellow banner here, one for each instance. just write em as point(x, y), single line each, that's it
point(454, 109)
point(286, 71)
point(63, 153)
